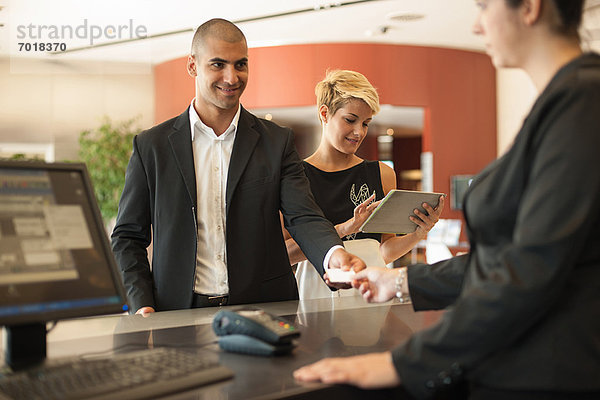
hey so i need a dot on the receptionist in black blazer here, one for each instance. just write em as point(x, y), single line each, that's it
point(207, 188)
point(523, 307)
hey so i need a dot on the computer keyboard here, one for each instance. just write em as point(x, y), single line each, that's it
point(149, 373)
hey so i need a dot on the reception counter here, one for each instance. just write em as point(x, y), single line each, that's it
point(341, 326)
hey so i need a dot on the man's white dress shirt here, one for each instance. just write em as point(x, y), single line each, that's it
point(211, 162)
point(212, 154)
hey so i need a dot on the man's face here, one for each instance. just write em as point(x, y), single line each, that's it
point(220, 69)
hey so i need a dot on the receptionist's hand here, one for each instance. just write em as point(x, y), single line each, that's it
point(376, 284)
point(345, 261)
point(144, 311)
point(368, 371)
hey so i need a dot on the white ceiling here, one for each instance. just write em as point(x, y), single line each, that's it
point(444, 23)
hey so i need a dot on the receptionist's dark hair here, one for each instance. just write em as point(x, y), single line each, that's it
point(569, 12)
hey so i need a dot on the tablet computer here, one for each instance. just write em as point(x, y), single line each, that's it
point(391, 215)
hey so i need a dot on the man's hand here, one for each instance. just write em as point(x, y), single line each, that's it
point(144, 311)
point(368, 371)
point(345, 261)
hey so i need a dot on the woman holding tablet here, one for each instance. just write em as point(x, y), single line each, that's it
point(524, 321)
point(345, 186)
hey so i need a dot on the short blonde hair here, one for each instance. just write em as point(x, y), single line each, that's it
point(341, 86)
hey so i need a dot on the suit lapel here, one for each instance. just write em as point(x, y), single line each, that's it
point(181, 143)
point(246, 138)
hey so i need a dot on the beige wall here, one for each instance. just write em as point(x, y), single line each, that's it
point(54, 101)
point(515, 95)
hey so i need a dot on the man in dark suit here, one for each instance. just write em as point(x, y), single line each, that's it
point(207, 188)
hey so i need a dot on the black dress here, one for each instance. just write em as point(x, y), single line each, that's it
point(339, 192)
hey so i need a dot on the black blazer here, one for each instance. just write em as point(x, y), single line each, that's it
point(525, 303)
point(159, 201)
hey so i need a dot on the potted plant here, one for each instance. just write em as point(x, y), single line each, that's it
point(106, 151)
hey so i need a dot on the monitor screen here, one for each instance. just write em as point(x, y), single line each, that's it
point(458, 187)
point(55, 259)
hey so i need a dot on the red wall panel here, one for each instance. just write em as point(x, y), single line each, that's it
point(457, 88)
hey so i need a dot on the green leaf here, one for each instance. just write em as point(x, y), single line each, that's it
point(106, 151)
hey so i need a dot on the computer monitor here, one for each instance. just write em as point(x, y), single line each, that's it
point(458, 187)
point(55, 258)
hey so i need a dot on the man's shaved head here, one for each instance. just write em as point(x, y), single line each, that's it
point(216, 28)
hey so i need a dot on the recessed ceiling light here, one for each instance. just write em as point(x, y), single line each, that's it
point(405, 17)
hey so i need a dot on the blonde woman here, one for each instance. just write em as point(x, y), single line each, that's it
point(347, 187)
